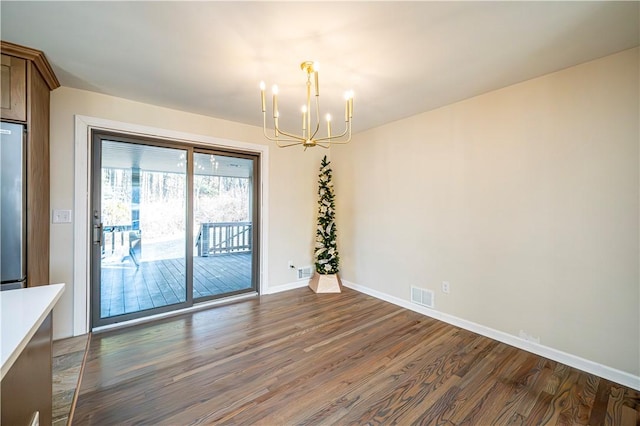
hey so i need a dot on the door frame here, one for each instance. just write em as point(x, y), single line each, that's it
point(82, 202)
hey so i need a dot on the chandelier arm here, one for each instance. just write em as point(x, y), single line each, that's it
point(316, 131)
point(294, 137)
point(280, 145)
point(344, 142)
point(264, 127)
point(331, 139)
point(276, 138)
point(264, 130)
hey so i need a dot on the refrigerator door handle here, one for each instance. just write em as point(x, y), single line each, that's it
point(97, 234)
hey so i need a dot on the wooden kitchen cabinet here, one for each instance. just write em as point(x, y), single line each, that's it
point(26, 354)
point(29, 79)
point(27, 387)
point(14, 88)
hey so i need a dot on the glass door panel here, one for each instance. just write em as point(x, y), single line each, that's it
point(223, 225)
point(140, 205)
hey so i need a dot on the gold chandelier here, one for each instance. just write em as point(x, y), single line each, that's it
point(309, 136)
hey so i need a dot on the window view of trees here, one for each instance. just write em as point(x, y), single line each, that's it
point(163, 201)
point(116, 197)
point(221, 199)
point(162, 205)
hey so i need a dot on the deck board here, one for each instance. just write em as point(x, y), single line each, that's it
point(127, 289)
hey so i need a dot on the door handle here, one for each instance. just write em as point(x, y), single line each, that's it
point(97, 234)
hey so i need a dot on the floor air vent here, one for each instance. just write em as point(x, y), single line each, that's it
point(422, 297)
point(304, 273)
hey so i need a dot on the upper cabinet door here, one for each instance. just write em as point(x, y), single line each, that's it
point(14, 88)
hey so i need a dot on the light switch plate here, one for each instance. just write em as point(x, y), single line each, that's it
point(61, 216)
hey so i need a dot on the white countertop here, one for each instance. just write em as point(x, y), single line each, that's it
point(22, 311)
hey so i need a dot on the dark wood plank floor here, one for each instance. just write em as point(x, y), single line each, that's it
point(126, 289)
point(348, 359)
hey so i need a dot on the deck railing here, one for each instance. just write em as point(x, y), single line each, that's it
point(213, 239)
point(113, 237)
point(224, 238)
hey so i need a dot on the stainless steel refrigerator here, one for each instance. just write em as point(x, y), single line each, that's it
point(13, 268)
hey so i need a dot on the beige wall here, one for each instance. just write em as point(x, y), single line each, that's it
point(292, 181)
point(525, 199)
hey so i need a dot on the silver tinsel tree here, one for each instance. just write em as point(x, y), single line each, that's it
point(326, 251)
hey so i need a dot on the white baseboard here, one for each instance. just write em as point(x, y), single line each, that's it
point(609, 373)
point(285, 287)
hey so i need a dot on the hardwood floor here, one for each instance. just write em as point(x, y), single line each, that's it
point(349, 359)
point(68, 355)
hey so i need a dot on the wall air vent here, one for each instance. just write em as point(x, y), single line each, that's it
point(422, 297)
point(305, 272)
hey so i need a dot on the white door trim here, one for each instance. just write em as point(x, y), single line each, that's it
point(82, 197)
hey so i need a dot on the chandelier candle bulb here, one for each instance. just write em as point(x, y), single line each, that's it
point(350, 105)
point(329, 126)
point(346, 110)
point(316, 81)
point(264, 104)
point(274, 89)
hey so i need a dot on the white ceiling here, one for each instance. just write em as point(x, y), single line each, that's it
point(400, 58)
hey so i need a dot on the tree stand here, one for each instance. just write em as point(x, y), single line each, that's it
point(329, 283)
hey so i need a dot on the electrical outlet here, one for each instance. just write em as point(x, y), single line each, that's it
point(445, 287)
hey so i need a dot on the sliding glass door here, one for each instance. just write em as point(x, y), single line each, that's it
point(223, 212)
point(173, 224)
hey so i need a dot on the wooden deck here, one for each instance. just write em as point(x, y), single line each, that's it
point(300, 358)
point(126, 289)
